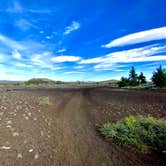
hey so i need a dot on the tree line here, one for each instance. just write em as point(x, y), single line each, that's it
point(158, 78)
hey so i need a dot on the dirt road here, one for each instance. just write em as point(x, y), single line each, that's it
point(65, 133)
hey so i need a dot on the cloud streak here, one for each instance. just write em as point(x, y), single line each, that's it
point(17, 8)
point(139, 37)
point(16, 55)
point(65, 58)
point(11, 43)
point(73, 27)
point(143, 54)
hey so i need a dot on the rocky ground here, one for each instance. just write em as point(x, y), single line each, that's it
point(65, 133)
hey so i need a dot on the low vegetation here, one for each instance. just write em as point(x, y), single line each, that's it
point(44, 101)
point(142, 132)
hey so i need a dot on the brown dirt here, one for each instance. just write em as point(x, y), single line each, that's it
point(65, 133)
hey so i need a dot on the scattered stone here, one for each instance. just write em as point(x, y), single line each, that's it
point(30, 150)
point(36, 156)
point(26, 117)
point(5, 147)
point(15, 134)
point(41, 133)
point(25, 141)
point(8, 126)
point(9, 122)
point(19, 155)
point(29, 114)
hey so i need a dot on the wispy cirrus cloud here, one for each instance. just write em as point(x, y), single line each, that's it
point(150, 53)
point(17, 8)
point(65, 58)
point(61, 50)
point(73, 27)
point(92, 60)
point(16, 54)
point(139, 37)
point(11, 43)
point(18, 64)
point(74, 72)
point(21, 45)
point(24, 24)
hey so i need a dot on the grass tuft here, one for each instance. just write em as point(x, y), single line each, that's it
point(142, 132)
point(44, 101)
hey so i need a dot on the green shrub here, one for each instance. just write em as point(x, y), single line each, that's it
point(142, 132)
point(44, 101)
point(123, 82)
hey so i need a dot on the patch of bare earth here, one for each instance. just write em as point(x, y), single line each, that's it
point(65, 133)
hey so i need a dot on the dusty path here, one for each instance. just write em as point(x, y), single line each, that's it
point(64, 134)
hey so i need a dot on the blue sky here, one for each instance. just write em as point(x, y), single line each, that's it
point(81, 40)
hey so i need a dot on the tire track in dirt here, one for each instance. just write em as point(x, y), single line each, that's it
point(77, 141)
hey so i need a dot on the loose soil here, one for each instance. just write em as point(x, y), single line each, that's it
point(66, 132)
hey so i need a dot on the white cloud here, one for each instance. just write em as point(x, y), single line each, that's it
point(42, 60)
point(139, 37)
point(143, 54)
point(11, 43)
point(17, 8)
point(74, 72)
point(65, 58)
point(23, 45)
point(73, 27)
point(16, 54)
point(48, 37)
point(92, 60)
point(22, 65)
point(41, 32)
point(24, 24)
point(61, 50)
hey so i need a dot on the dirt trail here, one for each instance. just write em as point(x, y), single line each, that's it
point(65, 133)
point(78, 141)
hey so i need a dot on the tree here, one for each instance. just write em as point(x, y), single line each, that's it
point(159, 77)
point(123, 82)
point(142, 78)
point(133, 78)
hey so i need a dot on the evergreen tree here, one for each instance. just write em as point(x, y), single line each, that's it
point(142, 78)
point(159, 77)
point(123, 82)
point(133, 78)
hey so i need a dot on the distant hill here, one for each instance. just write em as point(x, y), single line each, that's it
point(37, 81)
point(40, 81)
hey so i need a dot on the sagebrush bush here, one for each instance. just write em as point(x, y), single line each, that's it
point(142, 132)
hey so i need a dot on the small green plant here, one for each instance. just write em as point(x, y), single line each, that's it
point(44, 101)
point(142, 132)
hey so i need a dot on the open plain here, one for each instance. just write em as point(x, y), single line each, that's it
point(65, 133)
